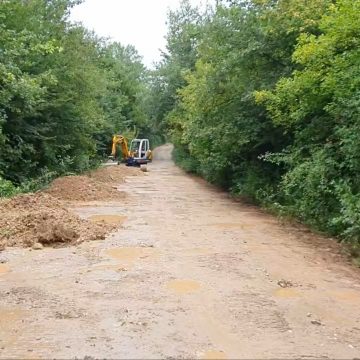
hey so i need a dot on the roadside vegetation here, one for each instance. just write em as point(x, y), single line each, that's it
point(259, 97)
point(262, 98)
point(63, 93)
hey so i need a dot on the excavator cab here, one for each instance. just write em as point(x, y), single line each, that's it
point(140, 149)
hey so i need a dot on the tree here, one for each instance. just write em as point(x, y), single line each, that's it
point(64, 91)
point(319, 104)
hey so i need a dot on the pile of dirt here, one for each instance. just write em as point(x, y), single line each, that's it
point(26, 220)
point(83, 188)
point(114, 174)
point(29, 219)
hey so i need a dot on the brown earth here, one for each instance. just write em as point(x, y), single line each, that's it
point(191, 274)
point(94, 185)
point(114, 174)
point(40, 218)
point(82, 188)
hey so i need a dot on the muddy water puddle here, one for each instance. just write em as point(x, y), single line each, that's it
point(287, 293)
point(10, 315)
point(346, 296)
point(130, 255)
point(4, 269)
point(9, 333)
point(183, 286)
point(214, 355)
point(8, 318)
point(109, 219)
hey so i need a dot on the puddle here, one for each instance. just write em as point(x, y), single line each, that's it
point(4, 269)
point(183, 286)
point(214, 355)
point(109, 219)
point(8, 316)
point(11, 328)
point(9, 320)
point(287, 293)
point(129, 255)
point(347, 295)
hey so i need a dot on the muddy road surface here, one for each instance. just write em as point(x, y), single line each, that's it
point(189, 274)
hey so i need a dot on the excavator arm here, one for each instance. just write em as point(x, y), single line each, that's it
point(120, 140)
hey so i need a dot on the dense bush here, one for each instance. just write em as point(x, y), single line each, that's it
point(267, 104)
point(320, 105)
point(63, 92)
point(7, 189)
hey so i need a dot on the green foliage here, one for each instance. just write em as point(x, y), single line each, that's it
point(41, 181)
point(63, 92)
point(163, 83)
point(262, 97)
point(319, 105)
point(215, 113)
point(7, 189)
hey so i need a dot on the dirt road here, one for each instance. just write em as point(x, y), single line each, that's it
point(191, 274)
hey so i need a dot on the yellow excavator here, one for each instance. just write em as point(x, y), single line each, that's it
point(138, 154)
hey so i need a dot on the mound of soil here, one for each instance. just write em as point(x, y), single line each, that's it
point(29, 219)
point(40, 218)
point(114, 174)
point(83, 188)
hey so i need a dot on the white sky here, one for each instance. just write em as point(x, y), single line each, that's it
point(141, 23)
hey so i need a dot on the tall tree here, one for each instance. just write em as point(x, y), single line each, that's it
point(63, 91)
